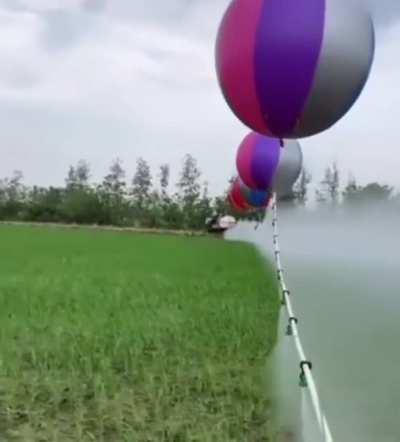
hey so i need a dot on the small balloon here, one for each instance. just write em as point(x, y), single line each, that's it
point(237, 196)
point(291, 69)
point(237, 209)
point(257, 199)
point(257, 160)
point(289, 168)
point(266, 163)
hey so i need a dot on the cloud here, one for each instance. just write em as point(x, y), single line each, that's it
point(99, 79)
point(117, 84)
point(94, 5)
point(22, 63)
point(385, 12)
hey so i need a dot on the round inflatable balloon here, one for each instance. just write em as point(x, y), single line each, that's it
point(267, 163)
point(235, 207)
point(292, 69)
point(289, 168)
point(237, 197)
point(257, 160)
point(257, 199)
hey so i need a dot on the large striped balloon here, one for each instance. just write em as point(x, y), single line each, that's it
point(292, 68)
point(267, 163)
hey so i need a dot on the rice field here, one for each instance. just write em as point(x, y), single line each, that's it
point(110, 336)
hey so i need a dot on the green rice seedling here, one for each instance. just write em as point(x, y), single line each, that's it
point(110, 336)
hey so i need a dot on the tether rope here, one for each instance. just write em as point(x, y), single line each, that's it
point(306, 375)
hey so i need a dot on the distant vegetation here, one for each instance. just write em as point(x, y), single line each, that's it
point(118, 337)
point(150, 201)
point(332, 192)
point(143, 201)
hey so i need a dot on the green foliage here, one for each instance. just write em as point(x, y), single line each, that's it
point(152, 204)
point(353, 196)
point(44, 205)
point(189, 191)
point(116, 337)
point(112, 196)
point(142, 182)
point(112, 202)
point(203, 208)
point(80, 206)
point(12, 197)
point(164, 178)
point(373, 193)
point(78, 177)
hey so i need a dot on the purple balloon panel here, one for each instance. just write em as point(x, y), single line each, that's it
point(288, 44)
point(267, 54)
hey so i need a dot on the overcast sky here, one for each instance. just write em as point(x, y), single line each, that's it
point(100, 79)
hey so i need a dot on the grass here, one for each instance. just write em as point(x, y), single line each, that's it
point(108, 336)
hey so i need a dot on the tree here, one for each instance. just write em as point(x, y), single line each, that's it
point(82, 173)
point(164, 179)
point(141, 187)
point(12, 196)
point(81, 203)
point(188, 184)
point(373, 193)
point(189, 188)
point(351, 193)
point(163, 212)
point(71, 177)
point(172, 214)
point(114, 181)
point(300, 188)
point(81, 206)
point(141, 182)
point(112, 194)
point(329, 191)
point(78, 176)
point(45, 204)
point(204, 209)
point(220, 206)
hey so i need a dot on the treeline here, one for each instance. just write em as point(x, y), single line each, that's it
point(334, 192)
point(142, 201)
point(150, 201)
